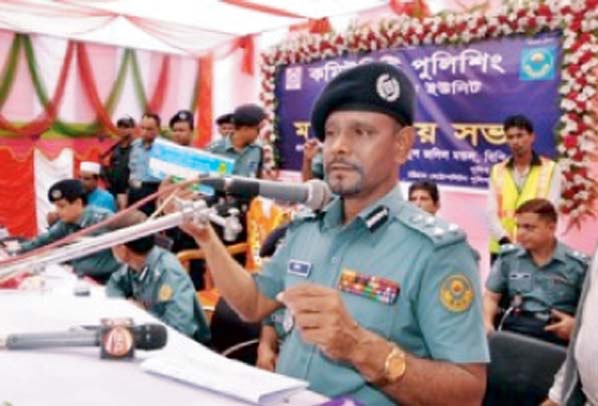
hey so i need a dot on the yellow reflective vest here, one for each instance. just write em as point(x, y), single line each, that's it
point(509, 197)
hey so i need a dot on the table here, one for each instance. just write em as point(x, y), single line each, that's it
point(77, 376)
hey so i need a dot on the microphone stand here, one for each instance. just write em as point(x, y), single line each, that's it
point(197, 211)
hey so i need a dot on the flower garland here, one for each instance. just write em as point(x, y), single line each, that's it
point(576, 133)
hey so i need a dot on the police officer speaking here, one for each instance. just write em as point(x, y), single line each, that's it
point(382, 300)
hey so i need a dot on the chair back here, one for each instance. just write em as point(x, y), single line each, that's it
point(521, 370)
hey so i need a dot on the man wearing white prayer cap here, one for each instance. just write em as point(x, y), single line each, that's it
point(89, 174)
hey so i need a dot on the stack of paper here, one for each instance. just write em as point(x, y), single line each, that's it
point(226, 376)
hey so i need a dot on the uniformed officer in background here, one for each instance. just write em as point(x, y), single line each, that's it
point(181, 127)
point(116, 172)
point(242, 145)
point(541, 278)
point(383, 302)
point(225, 125)
point(155, 279)
point(141, 182)
point(312, 166)
point(70, 201)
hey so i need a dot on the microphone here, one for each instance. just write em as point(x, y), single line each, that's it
point(117, 341)
point(314, 193)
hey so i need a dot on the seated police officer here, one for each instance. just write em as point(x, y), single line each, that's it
point(381, 304)
point(155, 279)
point(70, 201)
point(541, 278)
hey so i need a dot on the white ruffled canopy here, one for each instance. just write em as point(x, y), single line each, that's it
point(174, 26)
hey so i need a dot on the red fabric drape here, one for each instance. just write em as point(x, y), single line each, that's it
point(157, 99)
point(313, 26)
point(91, 89)
point(413, 8)
point(247, 44)
point(47, 117)
point(17, 195)
point(204, 105)
point(262, 9)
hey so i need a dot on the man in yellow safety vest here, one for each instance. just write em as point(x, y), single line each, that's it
point(525, 175)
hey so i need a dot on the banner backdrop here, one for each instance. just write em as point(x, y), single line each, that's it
point(464, 93)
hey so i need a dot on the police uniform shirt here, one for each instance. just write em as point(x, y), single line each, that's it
point(165, 290)
point(557, 284)
point(434, 310)
point(248, 162)
point(139, 162)
point(99, 264)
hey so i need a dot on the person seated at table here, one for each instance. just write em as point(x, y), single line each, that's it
point(70, 200)
point(89, 174)
point(155, 279)
point(541, 278)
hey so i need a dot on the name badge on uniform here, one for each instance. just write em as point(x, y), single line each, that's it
point(369, 286)
point(299, 268)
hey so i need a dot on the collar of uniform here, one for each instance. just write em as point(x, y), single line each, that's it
point(230, 148)
point(392, 200)
point(559, 253)
point(82, 220)
point(536, 161)
point(152, 257)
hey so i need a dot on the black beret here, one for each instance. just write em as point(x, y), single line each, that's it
point(376, 87)
point(182, 115)
point(225, 119)
point(248, 114)
point(69, 189)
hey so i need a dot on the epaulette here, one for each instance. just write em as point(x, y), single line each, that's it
point(94, 216)
point(437, 230)
point(579, 256)
point(304, 215)
point(507, 249)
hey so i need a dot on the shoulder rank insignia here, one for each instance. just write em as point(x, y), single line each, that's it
point(165, 293)
point(579, 257)
point(456, 293)
point(377, 218)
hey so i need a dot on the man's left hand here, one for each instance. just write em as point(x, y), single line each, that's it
point(562, 326)
point(322, 319)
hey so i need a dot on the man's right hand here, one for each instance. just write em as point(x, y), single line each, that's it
point(202, 232)
point(310, 149)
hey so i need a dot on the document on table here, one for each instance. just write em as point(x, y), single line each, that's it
point(219, 374)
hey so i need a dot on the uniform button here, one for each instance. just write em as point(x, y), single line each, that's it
point(438, 232)
point(453, 228)
point(334, 260)
point(430, 221)
point(417, 218)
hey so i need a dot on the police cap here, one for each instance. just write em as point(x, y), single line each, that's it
point(69, 189)
point(375, 87)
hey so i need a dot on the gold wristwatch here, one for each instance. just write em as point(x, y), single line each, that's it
point(394, 367)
